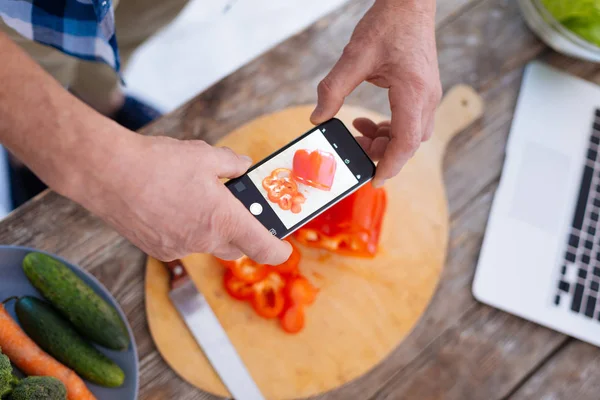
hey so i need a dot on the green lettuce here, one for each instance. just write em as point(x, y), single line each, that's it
point(582, 17)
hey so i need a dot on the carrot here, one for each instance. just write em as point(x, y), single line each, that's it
point(29, 358)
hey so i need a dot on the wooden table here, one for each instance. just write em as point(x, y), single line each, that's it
point(460, 349)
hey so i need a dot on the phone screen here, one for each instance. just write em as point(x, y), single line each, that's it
point(304, 178)
point(316, 172)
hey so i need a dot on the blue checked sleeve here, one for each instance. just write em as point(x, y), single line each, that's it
point(81, 28)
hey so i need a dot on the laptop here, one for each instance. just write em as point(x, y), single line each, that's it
point(540, 258)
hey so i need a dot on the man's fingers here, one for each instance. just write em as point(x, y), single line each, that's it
point(365, 143)
point(365, 126)
point(253, 239)
point(405, 135)
point(229, 164)
point(352, 68)
point(378, 147)
point(375, 148)
point(370, 129)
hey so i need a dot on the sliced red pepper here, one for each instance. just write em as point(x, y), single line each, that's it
point(283, 190)
point(268, 300)
point(292, 319)
point(297, 202)
point(351, 227)
point(300, 292)
point(245, 269)
point(314, 168)
point(237, 288)
point(282, 293)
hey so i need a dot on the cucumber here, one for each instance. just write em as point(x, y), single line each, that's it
point(57, 337)
point(91, 316)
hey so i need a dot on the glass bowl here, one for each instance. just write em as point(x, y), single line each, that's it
point(554, 34)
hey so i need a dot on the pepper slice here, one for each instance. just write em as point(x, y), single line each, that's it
point(314, 168)
point(268, 300)
point(278, 183)
point(299, 291)
point(283, 190)
point(352, 227)
point(237, 288)
point(245, 269)
point(292, 319)
point(282, 292)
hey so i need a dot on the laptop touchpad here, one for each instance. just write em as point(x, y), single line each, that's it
point(541, 185)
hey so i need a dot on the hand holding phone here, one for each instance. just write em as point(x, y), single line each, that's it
point(304, 178)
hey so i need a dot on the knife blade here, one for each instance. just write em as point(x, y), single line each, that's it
point(210, 335)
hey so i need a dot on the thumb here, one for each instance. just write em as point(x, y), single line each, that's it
point(229, 164)
point(351, 70)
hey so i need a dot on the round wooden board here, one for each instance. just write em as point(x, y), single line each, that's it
point(365, 307)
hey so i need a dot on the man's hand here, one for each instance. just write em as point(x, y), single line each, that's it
point(162, 194)
point(393, 47)
point(171, 202)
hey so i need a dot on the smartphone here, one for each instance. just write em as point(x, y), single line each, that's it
point(304, 178)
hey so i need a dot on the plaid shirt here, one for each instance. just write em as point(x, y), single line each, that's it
point(81, 28)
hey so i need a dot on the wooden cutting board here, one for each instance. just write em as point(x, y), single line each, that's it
point(365, 307)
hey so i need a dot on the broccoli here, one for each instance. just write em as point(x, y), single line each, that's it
point(7, 379)
point(39, 388)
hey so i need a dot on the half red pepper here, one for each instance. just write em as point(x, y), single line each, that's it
point(351, 227)
point(314, 168)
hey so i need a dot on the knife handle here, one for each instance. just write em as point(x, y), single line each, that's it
point(177, 271)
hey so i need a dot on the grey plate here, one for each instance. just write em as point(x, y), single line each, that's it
point(13, 282)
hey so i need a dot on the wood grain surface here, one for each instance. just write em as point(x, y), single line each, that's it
point(365, 307)
point(460, 349)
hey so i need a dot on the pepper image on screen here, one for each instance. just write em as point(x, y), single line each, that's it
point(303, 178)
point(314, 168)
point(283, 190)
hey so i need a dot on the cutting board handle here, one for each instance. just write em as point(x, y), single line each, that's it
point(459, 108)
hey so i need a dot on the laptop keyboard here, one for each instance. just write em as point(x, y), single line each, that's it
point(579, 281)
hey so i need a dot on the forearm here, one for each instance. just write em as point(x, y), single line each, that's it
point(66, 143)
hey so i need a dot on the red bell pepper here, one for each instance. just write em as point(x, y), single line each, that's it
point(250, 271)
point(237, 288)
point(299, 294)
point(268, 300)
point(273, 291)
point(245, 269)
point(300, 291)
point(292, 319)
point(352, 227)
point(283, 190)
point(314, 168)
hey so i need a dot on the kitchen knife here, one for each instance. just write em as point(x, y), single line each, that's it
point(210, 335)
